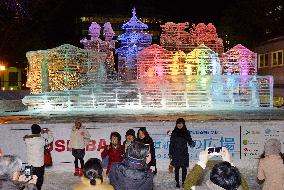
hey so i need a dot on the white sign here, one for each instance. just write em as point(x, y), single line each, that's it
point(241, 138)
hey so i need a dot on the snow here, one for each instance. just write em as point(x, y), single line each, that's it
point(162, 181)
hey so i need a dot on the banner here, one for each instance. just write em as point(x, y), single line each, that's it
point(244, 140)
point(254, 137)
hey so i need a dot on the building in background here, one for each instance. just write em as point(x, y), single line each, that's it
point(10, 78)
point(271, 62)
point(117, 21)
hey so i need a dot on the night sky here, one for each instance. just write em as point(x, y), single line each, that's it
point(43, 24)
point(174, 10)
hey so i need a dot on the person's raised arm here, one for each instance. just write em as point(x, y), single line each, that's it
point(50, 137)
point(196, 174)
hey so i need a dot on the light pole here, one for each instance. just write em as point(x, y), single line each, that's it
point(2, 68)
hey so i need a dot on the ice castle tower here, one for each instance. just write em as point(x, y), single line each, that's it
point(133, 40)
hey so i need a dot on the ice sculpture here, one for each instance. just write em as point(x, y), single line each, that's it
point(174, 37)
point(188, 71)
point(95, 41)
point(63, 68)
point(157, 61)
point(132, 41)
point(153, 61)
point(107, 68)
point(239, 61)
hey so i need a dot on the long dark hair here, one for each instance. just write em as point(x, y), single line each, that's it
point(116, 134)
point(182, 131)
point(143, 130)
point(280, 154)
point(93, 170)
point(181, 121)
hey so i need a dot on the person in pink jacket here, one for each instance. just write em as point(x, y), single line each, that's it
point(271, 166)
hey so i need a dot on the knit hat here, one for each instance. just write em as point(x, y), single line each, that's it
point(130, 132)
point(272, 147)
point(36, 129)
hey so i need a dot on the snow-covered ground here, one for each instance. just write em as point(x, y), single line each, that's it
point(163, 180)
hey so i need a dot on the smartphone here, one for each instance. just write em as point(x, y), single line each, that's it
point(214, 150)
point(28, 171)
point(211, 150)
point(148, 146)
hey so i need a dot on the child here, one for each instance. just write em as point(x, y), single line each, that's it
point(178, 153)
point(114, 151)
point(129, 138)
point(79, 138)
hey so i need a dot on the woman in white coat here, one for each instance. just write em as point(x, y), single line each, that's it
point(35, 143)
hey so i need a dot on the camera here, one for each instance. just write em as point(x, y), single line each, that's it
point(28, 171)
point(214, 150)
point(148, 146)
point(45, 129)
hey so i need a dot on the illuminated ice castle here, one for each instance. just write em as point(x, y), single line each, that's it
point(132, 41)
point(188, 71)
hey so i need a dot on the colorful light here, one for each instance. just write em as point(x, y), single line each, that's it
point(183, 73)
point(95, 44)
point(63, 68)
point(239, 61)
point(200, 61)
point(132, 41)
point(174, 37)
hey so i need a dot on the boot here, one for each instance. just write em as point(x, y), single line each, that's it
point(76, 173)
point(80, 173)
point(177, 185)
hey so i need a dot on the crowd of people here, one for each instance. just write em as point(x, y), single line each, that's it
point(131, 164)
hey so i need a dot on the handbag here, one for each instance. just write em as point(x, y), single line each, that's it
point(171, 167)
point(47, 156)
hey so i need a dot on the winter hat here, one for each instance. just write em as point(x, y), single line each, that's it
point(36, 129)
point(272, 147)
point(130, 132)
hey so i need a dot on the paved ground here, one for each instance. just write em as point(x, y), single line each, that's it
point(163, 181)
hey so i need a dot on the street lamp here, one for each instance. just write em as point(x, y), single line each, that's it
point(2, 68)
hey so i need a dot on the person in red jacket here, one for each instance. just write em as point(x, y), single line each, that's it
point(114, 151)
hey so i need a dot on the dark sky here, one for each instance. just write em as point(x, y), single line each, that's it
point(46, 24)
point(174, 10)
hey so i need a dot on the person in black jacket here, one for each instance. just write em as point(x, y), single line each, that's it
point(132, 173)
point(144, 137)
point(178, 153)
